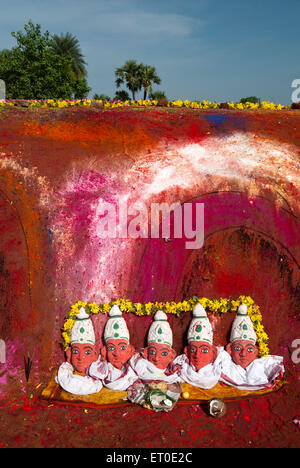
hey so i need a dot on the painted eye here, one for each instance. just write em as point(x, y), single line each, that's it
point(111, 348)
point(193, 350)
point(204, 351)
point(75, 351)
point(152, 352)
point(123, 348)
point(250, 350)
point(164, 353)
point(88, 352)
point(237, 348)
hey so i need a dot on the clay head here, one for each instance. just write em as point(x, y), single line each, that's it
point(81, 356)
point(200, 353)
point(161, 355)
point(200, 350)
point(117, 352)
point(117, 349)
point(83, 350)
point(243, 352)
point(160, 340)
point(242, 346)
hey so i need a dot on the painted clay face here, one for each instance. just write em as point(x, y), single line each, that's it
point(200, 353)
point(117, 352)
point(242, 352)
point(81, 356)
point(161, 355)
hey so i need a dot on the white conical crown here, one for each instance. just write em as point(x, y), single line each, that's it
point(116, 327)
point(200, 328)
point(83, 330)
point(160, 331)
point(242, 327)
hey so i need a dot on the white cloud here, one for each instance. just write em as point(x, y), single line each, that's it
point(113, 17)
point(144, 24)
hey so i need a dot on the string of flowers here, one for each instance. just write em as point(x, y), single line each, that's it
point(215, 306)
point(179, 103)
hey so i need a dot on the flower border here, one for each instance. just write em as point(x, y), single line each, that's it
point(179, 103)
point(215, 306)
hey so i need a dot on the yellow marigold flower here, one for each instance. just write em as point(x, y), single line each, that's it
point(94, 308)
point(106, 308)
point(68, 325)
point(148, 308)
point(185, 306)
point(264, 336)
point(66, 338)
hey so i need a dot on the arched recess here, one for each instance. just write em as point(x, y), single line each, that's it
point(26, 287)
point(15, 295)
point(251, 247)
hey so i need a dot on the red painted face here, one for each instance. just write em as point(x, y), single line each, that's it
point(161, 355)
point(200, 353)
point(242, 352)
point(81, 356)
point(117, 352)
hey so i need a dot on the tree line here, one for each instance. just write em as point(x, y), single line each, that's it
point(45, 66)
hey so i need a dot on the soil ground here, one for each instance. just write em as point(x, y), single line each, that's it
point(26, 421)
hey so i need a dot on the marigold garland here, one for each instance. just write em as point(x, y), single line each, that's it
point(215, 306)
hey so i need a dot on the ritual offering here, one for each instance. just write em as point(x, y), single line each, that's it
point(156, 396)
point(217, 408)
point(154, 377)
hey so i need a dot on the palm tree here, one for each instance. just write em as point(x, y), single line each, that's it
point(130, 75)
point(67, 44)
point(148, 76)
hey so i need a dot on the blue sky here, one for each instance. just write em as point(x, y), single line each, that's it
point(219, 50)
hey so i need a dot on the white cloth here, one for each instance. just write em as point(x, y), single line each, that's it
point(111, 377)
point(260, 374)
point(206, 377)
point(147, 371)
point(76, 384)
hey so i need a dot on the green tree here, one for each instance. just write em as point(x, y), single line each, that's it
point(4, 53)
point(101, 97)
point(80, 88)
point(129, 75)
point(32, 70)
point(121, 95)
point(157, 95)
point(148, 76)
point(253, 99)
point(68, 45)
